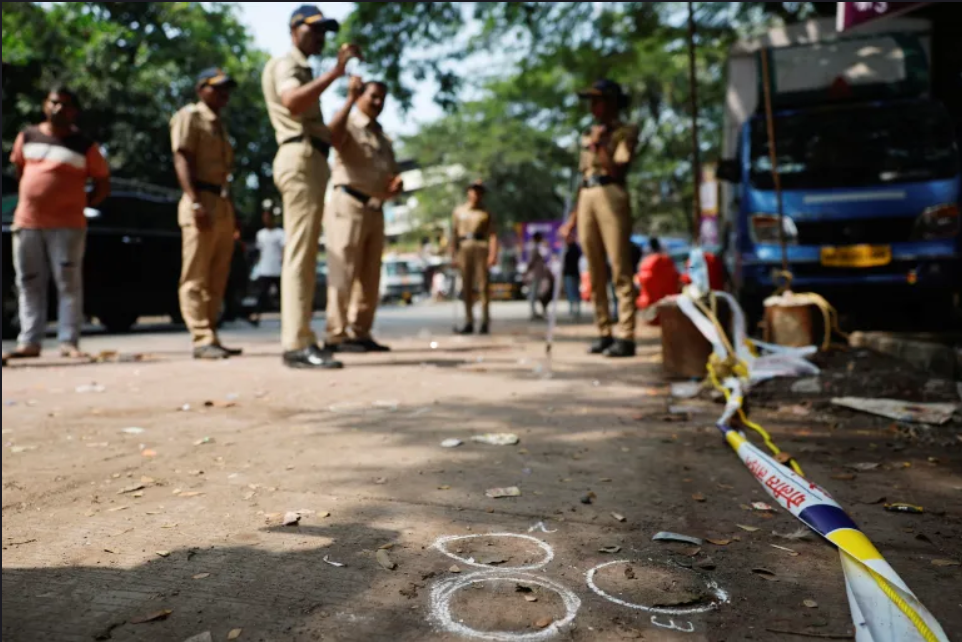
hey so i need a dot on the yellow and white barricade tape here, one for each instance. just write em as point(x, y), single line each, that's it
point(883, 608)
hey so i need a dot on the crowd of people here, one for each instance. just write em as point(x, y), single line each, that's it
point(54, 161)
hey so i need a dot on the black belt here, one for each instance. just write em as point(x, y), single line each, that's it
point(600, 181)
point(359, 196)
point(474, 237)
point(316, 143)
point(219, 190)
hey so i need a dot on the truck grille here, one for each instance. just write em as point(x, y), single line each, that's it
point(871, 230)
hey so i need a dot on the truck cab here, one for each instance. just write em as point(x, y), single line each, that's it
point(870, 177)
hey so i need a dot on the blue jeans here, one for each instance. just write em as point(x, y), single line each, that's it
point(38, 255)
point(573, 293)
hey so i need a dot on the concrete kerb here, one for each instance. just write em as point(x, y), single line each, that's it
point(941, 359)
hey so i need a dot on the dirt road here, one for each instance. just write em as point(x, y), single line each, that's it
point(159, 489)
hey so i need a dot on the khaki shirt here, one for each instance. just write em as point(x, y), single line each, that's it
point(196, 130)
point(472, 224)
point(366, 160)
point(621, 145)
point(280, 75)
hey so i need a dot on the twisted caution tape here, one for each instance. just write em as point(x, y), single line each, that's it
point(883, 607)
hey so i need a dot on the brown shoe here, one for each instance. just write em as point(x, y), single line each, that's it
point(24, 352)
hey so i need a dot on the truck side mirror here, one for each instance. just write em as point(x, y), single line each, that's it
point(729, 171)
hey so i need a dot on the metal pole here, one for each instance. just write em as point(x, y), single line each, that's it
point(773, 156)
point(696, 152)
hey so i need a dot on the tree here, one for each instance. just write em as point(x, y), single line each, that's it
point(133, 65)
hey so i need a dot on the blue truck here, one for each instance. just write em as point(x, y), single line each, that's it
point(869, 165)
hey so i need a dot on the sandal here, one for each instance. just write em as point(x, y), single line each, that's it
point(68, 351)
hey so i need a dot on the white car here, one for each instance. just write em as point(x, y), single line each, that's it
point(402, 279)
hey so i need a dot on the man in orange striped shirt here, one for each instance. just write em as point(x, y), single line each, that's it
point(54, 161)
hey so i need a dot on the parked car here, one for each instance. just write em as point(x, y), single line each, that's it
point(402, 279)
point(132, 264)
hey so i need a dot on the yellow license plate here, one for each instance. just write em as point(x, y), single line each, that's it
point(857, 256)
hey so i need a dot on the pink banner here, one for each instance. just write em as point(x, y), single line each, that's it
point(855, 14)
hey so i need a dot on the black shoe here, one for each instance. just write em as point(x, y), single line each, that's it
point(601, 345)
point(211, 353)
point(345, 347)
point(621, 349)
point(369, 345)
point(485, 329)
point(466, 329)
point(232, 352)
point(312, 358)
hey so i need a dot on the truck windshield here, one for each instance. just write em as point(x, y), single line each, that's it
point(857, 147)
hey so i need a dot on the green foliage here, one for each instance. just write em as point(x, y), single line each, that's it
point(133, 65)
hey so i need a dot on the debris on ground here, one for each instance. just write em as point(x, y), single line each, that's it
point(945, 563)
point(698, 497)
point(497, 439)
point(491, 559)
point(451, 443)
point(202, 637)
point(719, 542)
point(544, 623)
point(686, 389)
point(610, 550)
point(764, 573)
point(204, 442)
point(810, 386)
point(454, 569)
point(153, 617)
point(935, 414)
point(500, 493)
point(291, 519)
point(676, 537)
point(91, 388)
point(131, 489)
point(787, 550)
point(384, 559)
point(618, 517)
point(747, 529)
point(328, 560)
point(588, 498)
point(164, 554)
point(235, 634)
point(133, 431)
point(810, 604)
point(904, 508)
point(762, 507)
point(864, 467)
point(707, 564)
point(201, 576)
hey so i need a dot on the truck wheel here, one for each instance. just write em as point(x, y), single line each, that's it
point(118, 322)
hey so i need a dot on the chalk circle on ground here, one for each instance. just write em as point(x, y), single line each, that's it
point(719, 594)
point(443, 592)
point(442, 545)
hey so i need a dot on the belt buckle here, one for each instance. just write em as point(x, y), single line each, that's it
point(225, 192)
point(374, 203)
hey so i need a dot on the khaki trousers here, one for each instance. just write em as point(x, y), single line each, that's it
point(300, 174)
point(205, 268)
point(355, 243)
point(604, 227)
point(473, 258)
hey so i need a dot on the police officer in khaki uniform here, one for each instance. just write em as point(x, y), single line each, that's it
point(301, 174)
point(603, 215)
point(365, 175)
point(203, 160)
point(474, 248)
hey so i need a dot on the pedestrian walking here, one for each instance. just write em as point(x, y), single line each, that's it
point(603, 215)
point(53, 161)
point(203, 161)
point(270, 262)
point(301, 174)
point(571, 272)
point(474, 249)
point(365, 176)
point(537, 276)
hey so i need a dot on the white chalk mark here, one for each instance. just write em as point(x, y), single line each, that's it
point(721, 596)
point(442, 543)
point(671, 626)
point(541, 527)
point(442, 593)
